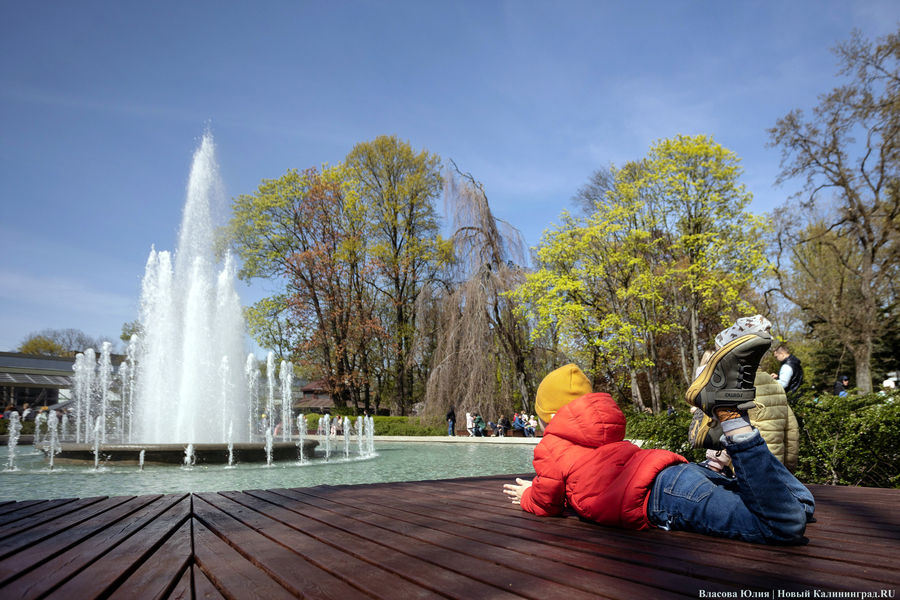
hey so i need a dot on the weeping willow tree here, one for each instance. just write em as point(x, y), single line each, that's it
point(482, 358)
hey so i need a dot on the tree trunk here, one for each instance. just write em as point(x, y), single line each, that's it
point(636, 391)
point(862, 354)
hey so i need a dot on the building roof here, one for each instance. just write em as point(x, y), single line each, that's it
point(32, 380)
point(314, 386)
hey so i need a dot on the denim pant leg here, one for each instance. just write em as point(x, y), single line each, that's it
point(770, 490)
point(765, 504)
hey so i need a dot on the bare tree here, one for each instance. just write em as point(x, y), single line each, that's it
point(478, 334)
point(848, 156)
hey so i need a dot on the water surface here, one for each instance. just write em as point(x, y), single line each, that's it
point(393, 462)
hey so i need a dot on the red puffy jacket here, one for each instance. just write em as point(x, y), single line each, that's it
point(584, 460)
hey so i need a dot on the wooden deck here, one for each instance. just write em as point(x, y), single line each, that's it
point(431, 539)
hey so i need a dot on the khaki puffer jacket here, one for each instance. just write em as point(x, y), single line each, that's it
point(775, 420)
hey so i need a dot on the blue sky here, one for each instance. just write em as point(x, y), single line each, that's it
point(102, 105)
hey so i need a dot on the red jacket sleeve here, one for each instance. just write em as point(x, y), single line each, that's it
point(546, 497)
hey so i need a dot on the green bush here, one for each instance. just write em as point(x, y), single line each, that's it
point(663, 431)
point(27, 427)
point(405, 426)
point(849, 441)
point(390, 425)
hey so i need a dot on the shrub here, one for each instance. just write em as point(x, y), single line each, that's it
point(27, 427)
point(390, 425)
point(405, 426)
point(663, 431)
point(849, 441)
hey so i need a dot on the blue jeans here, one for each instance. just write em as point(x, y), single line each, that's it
point(764, 504)
point(451, 427)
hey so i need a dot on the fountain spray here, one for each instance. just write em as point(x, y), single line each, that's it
point(15, 426)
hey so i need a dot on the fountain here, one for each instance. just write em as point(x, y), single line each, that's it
point(15, 426)
point(181, 382)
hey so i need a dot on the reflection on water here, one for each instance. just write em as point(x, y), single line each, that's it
point(392, 462)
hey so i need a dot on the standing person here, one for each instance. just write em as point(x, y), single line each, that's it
point(470, 424)
point(840, 386)
point(27, 413)
point(451, 422)
point(790, 376)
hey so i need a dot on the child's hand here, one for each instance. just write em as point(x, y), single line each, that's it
point(515, 491)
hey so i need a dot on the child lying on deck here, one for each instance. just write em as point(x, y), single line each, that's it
point(584, 462)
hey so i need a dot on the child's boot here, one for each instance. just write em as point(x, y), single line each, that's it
point(725, 387)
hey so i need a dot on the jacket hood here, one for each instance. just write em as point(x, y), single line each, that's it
point(592, 420)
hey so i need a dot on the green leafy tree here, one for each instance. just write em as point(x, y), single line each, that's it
point(716, 246)
point(64, 342)
point(664, 248)
point(400, 186)
point(41, 346)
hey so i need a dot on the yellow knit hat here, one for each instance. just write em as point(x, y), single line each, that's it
point(558, 389)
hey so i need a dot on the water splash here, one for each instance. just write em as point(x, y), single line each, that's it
point(15, 426)
point(189, 457)
point(190, 320)
point(53, 424)
point(301, 436)
point(287, 378)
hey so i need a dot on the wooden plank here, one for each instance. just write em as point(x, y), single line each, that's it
point(203, 587)
point(388, 559)
point(15, 506)
point(160, 573)
point(276, 524)
point(32, 547)
point(107, 573)
point(230, 572)
point(48, 511)
point(452, 555)
point(183, 591)
point(55, 572)
point(286, 567)
point(524, 549)
point(483, 539)
point(666, 545)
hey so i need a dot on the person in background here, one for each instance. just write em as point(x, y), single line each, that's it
point(532, 426)
point(840, 386)
point(771, 412)
point(479, 425)
point(518, 422)
point(470, 424)
point(451, 422)
point(502, 426)
point(790, 375)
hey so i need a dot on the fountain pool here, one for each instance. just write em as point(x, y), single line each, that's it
point(397, 461)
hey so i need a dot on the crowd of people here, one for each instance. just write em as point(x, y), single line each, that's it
point(476, 426)
point(27, 413)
